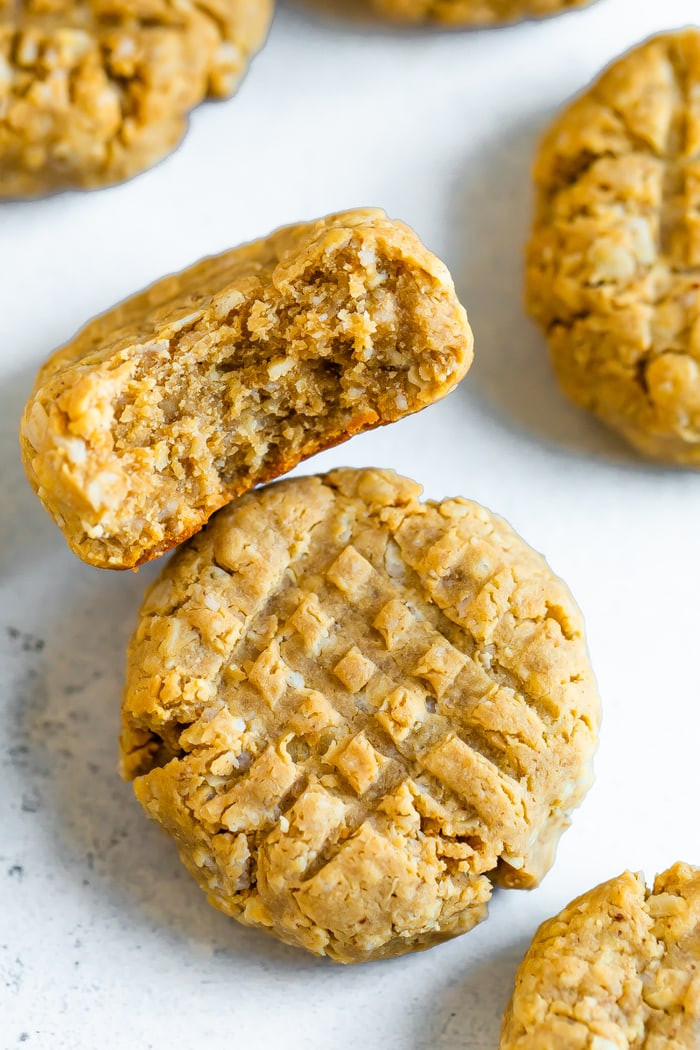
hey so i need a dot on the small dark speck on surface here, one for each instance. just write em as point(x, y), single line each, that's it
point(24, 1036)
point(16, 871)
point(29, 643)
point(30, 802)
point(18, 756)
point(77, 716)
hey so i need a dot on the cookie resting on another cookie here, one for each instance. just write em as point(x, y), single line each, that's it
point(354, 712)
point(93, 91)
point(231, 372)
point(472, 12)
point(617, 969)
point(613, 267)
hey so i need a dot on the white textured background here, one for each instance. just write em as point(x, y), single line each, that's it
point(104, 940)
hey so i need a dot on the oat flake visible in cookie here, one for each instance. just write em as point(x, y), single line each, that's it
point(93, 91)
point(355, 711)
point(617, 969)
point(613, 268)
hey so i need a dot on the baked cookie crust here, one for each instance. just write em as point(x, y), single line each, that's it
point(617, 969)
point(613, 267)
point(94, 91)
point(354, 712)
point(472, 12)
point(228, 374)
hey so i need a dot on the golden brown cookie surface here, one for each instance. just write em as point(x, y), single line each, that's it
point(231, 372)
point(354, 711)
point(617, 969)
point(94, 91)
point(472, 12)
point(613, 269)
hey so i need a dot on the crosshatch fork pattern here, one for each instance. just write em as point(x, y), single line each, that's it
point(350, 708)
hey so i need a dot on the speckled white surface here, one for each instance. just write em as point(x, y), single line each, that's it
point(104, 939)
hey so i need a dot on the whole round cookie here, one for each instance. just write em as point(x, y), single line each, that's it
point(94, 91)
point(229, 373)
point(354, 712)
point(617, 969)
point(472, 12)
point(613, 267)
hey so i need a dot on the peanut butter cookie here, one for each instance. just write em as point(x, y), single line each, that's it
point(618, 969)
point(230, 373)
point(471, 12)
point(613, 268)
point(93, 91)
point(355, 711)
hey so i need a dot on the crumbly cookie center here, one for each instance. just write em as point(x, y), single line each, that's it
point(228, 389)
point(145, 430)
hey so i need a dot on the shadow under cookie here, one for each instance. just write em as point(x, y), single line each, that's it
point(24, 529)
point(512, 371)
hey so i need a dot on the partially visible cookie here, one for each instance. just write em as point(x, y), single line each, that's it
point(613, 267)
point(617, 969)
point(231, 372)
point(471, 12)
point(93, 91)
point(354, 712)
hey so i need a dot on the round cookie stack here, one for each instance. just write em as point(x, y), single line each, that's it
point(333, 684)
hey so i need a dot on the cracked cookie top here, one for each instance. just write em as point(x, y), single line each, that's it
point(471, 12)
point(93, 91)
point(354, 711)
point(617, 969)
point(613, 267)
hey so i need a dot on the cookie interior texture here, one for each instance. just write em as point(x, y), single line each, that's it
point(230, 373)
point(617, 969)
point(354, 712)
point(613, 269)
point(471, 12)
point(93, 91)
